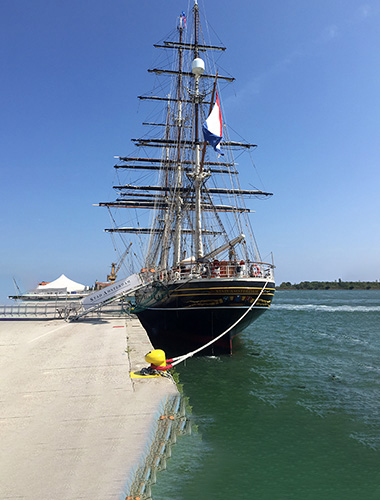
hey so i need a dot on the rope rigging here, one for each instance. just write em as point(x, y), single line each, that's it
point(186, 208)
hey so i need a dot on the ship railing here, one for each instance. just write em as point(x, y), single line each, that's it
point(220, 269)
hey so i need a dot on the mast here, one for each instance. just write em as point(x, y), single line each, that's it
point(199, 176)
point(188, 217)
point(178, 204)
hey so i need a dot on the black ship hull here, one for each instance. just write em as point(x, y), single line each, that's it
point(181, 317)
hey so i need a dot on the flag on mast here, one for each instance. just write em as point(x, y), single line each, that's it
point(213, 126)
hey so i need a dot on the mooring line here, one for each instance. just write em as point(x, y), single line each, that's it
point(182, 358)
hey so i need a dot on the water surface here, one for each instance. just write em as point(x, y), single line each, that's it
point(294, 413)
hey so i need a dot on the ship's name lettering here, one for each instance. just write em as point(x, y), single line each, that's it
point(107, 291)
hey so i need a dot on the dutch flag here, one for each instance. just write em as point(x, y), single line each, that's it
point(213, 127)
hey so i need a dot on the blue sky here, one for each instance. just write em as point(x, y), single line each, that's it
point(306, 91)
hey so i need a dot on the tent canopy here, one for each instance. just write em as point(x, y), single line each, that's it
point(63, 282)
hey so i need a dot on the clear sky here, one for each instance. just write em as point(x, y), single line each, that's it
point(307, 91)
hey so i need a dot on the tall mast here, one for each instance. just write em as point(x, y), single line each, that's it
point(198, 176)
point(179, 121)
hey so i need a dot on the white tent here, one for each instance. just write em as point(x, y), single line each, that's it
point(63, 282)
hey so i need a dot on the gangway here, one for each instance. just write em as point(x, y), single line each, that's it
point(116, 291)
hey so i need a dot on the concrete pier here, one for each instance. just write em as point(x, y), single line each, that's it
point(73, 425)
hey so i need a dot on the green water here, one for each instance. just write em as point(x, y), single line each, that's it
point(294, 414)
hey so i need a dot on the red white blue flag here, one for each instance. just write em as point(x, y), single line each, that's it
point(213, 127)
point(183, 18)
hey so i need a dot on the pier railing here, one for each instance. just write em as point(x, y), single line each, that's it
point(55, 310)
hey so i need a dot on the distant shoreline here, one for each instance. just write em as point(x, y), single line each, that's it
point(330, 285)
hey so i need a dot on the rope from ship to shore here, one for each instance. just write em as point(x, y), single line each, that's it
point(182, 358)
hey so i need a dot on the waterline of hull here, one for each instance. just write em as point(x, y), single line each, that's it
point(178, 332)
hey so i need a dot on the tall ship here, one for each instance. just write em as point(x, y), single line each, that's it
point(188, 223)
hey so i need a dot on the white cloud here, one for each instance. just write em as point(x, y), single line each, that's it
point(330, 33)
point(365, 10)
